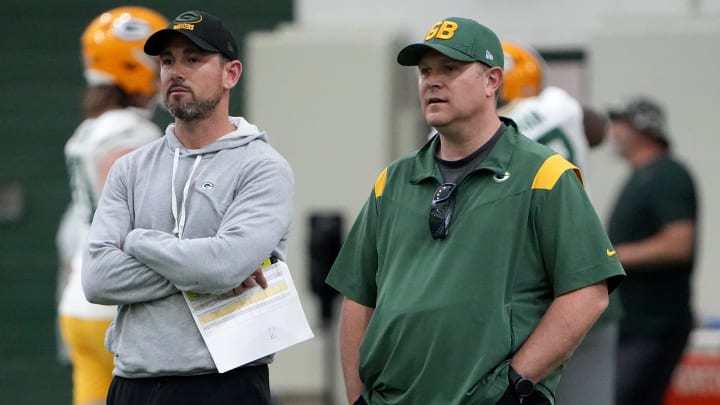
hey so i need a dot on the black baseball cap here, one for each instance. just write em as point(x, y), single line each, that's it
point(643, 114)
point(203, 29)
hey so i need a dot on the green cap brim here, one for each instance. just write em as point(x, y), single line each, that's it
point(411, 54)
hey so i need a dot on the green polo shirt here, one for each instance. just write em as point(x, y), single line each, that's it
point(449, 313)
point(656, 298)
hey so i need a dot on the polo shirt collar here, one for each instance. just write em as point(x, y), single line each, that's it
point(497, 162)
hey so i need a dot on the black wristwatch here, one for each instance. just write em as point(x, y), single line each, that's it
point(523, 386)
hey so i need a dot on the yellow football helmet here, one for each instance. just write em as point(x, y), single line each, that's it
point(112, 49)
point(524, 72)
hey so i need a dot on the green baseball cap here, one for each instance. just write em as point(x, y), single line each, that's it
point(458, 38)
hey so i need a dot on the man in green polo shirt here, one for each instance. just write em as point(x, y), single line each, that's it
point(477, 264)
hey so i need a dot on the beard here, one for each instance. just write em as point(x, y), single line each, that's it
point(193, 110)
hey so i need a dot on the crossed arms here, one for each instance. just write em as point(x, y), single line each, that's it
point(123, 265)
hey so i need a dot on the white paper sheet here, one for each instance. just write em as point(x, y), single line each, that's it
point(240, 329)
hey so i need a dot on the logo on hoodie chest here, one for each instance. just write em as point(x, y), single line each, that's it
point(208, 185)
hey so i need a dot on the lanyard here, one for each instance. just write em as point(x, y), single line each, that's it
point(180, 221)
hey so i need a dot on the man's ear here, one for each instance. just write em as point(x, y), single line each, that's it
point(231, 73)
point(495, 77)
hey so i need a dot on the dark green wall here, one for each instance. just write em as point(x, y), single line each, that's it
point(40, 90)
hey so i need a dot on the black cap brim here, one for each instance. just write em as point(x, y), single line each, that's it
point(157, 41)
point(617, 114)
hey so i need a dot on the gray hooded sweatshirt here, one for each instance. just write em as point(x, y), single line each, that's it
point(171, 220)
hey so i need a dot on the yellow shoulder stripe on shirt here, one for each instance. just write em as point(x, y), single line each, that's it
point(380, 183)
point(551, 170)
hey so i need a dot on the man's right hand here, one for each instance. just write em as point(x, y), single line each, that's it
point(255, 279)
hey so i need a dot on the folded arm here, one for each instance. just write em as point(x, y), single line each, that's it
point(109, 275)
point(675, 243)
point(251, 229)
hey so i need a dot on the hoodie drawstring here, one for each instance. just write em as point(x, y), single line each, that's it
point(180, 221)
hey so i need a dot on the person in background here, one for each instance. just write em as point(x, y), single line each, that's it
point(478, 263)
point(654, 226)
point(122, 85)
point(547, 114)
point(198, 210)
point(551, 116)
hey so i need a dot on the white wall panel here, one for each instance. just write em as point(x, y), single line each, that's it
point(547, 23)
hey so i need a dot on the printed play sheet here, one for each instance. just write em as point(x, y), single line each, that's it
point(242, 328)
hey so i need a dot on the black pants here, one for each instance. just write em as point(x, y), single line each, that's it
point(645, 365)
point(242, 386)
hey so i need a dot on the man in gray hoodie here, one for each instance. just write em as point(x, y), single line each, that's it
point(198, 210)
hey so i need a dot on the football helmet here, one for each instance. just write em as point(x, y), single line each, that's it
point(112, 49)
point(524, 72)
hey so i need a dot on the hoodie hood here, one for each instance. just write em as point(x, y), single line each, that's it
point(243, 134)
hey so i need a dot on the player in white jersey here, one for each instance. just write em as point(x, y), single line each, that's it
point(119, 101)
point(547, 114)
point(553, 117)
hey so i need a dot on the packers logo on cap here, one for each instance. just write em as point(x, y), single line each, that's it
point(187, 21)
point(442, 30)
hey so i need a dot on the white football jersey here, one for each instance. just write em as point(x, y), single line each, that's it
point(93, 141)
point(553, 118)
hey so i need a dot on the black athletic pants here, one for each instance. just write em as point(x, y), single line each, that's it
point(241, 386)
point(645, 365)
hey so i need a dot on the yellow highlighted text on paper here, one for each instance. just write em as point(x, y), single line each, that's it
point(236, 306)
